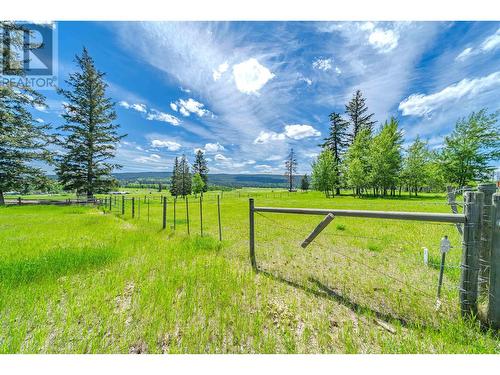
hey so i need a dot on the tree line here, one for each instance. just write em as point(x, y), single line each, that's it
point(87, 140)
point(184, 181)
point(355, 156)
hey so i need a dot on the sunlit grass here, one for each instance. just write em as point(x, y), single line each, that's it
point(77, 280)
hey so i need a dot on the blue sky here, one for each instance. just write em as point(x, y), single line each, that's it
point(245, 92)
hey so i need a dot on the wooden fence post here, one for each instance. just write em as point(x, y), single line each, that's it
point(19, 201)
point(201, 217)
point(187, 213)
point(473, 206)
point(252, 234)
point(164, 212)
point(486, 235)
point(133, 207)
point(494, 293)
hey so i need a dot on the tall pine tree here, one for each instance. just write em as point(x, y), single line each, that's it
point(357, 110)
point(22, 138)
point(90, 137)
point(337, 141)
point(184, 177)
point(200, 166)
point(174, 180)
point(290, 169)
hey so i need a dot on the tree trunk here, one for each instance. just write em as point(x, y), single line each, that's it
point(2, 200)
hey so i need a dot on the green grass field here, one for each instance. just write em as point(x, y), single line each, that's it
point(78, 280)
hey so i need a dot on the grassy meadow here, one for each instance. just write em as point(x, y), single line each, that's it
point(90, 280)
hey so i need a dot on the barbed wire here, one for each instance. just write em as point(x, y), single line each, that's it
point(375, 270)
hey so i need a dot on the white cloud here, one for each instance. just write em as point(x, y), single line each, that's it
point(221, 158)
point(41, 108)
point(266, 136)
point(40, 120)
point(214, 147)
point(161, 116)
point(489, 44)
point(464, 54)
point(250, 76)
point(322, 64)
point(217, 73)
point(170, 145)
point(265, 168)
point(301, 131)
point(383, 40)
point(274, 157)
point(153, 158)
point(291, 131)
point(136, 106)
point(421, 105)
point(492, 42)
point(186, 107)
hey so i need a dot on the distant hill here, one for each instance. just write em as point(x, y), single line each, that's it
point(222, 179)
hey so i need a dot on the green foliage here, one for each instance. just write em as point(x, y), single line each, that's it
point(200, 166)
point(356, 111)
point(175, 182)
point(324, 176)
point(89, 137)
point(23, 139)
point(304, 183)
point(385, 157)
point(471, 148)
point(417, 165)
point(357, 162)
point(198, 184)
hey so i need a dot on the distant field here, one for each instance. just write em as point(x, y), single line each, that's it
point(80, 280)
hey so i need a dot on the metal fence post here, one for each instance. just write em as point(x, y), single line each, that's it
point(133, 207)
point(473, 205)
point(175, 201)
point(494, 294)
point(201, 217)
point(123, 204)
point(164, 213)
point(486, 231)
point(252, 234)
point(187, 214)
point(218, 216)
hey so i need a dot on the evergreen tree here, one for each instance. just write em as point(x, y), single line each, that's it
point(184, 177)
point(357, 166)
point(304, 183)
point(337, 141)
point(385, 158)
point(90, 136)
point(290, 169)
point(200, 167)
point(471, 148)
point(174, 180)
point(198, 184)
point(356, 111)
point(324, 176)
point(23, 140)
